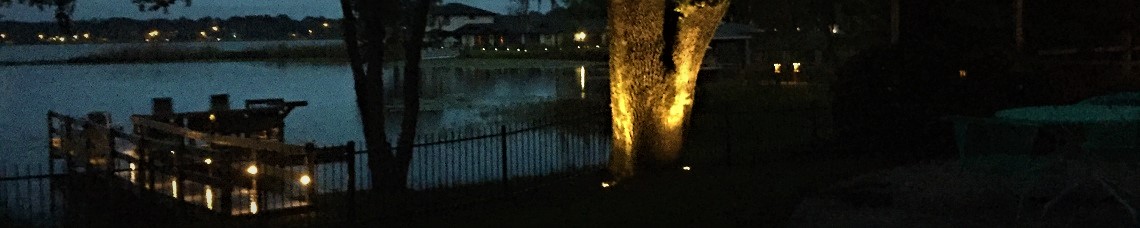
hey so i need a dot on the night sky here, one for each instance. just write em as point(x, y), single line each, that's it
point(88, 9)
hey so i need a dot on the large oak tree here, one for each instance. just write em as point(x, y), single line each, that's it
point(656, 50)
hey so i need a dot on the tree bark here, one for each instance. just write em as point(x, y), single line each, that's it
point(896, 18)
point(1019, 28)
point(412, 75)
point(655, 54)
point(368, 83)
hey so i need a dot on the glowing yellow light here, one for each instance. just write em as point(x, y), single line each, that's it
point(252, 169)
point(153, 33)
point(484, 49)
point(305, 180)
point(605, 185)
point(215, 28)
point(546, 49)
point(213, 118)
point(75, 37)
point(171, 152)
point(174, 188)
point(835, 29)
point(253, 203)
point(41, 36)
point(686, 168)
point(580, 36)
point(582, 80)
point(777, 67)
point(310, 31)
point(87, 36)
point(209, 197)
point(962, 73)
point(796, 67)
point(133, 167)
point(326, 24)
point(208, 161)
point(203, 33)
point(3, 36)
point(598, 46)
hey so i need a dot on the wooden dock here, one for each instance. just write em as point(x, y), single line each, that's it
point(221, 162)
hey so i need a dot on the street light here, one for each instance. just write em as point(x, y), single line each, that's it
point(580, 36)
point(252, 170)
point(305, 180)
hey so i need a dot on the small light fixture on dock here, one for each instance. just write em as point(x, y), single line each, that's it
point(687, 168)
point(776, 67)
point(252, 170)
point(796, 67)
point(305, 180)
point(208, 161)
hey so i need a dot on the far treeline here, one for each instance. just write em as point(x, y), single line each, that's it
point(117, 30)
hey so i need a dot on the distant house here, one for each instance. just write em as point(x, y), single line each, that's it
point(452, 16)
point(730, 46)
point(531, 31)
point(444, 19)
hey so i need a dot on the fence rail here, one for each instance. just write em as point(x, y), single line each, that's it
point(172, 172)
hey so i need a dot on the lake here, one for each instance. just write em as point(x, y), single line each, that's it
point(47, 52)
point(460, 92)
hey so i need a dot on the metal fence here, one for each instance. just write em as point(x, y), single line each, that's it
point(35, 195)
point(25, 196)
point(489, 155)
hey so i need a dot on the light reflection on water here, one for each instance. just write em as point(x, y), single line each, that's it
point(461, 93)
point(456, 94)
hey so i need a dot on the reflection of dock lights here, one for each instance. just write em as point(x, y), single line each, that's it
point(305, 180)
point(776, 66)
point(252, 170)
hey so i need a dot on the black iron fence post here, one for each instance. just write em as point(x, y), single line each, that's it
point(311, 173)
point(503, 157)
point(351, 194)
point(51, 142)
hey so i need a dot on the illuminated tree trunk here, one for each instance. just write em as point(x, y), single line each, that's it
point(655, 54)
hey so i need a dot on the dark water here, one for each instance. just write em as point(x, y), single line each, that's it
point(456, 93)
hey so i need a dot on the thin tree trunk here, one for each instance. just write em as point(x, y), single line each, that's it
point(368, 82)
point(1019, 33)
point(654, 59)
point(896, 18)
point(412, 76)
